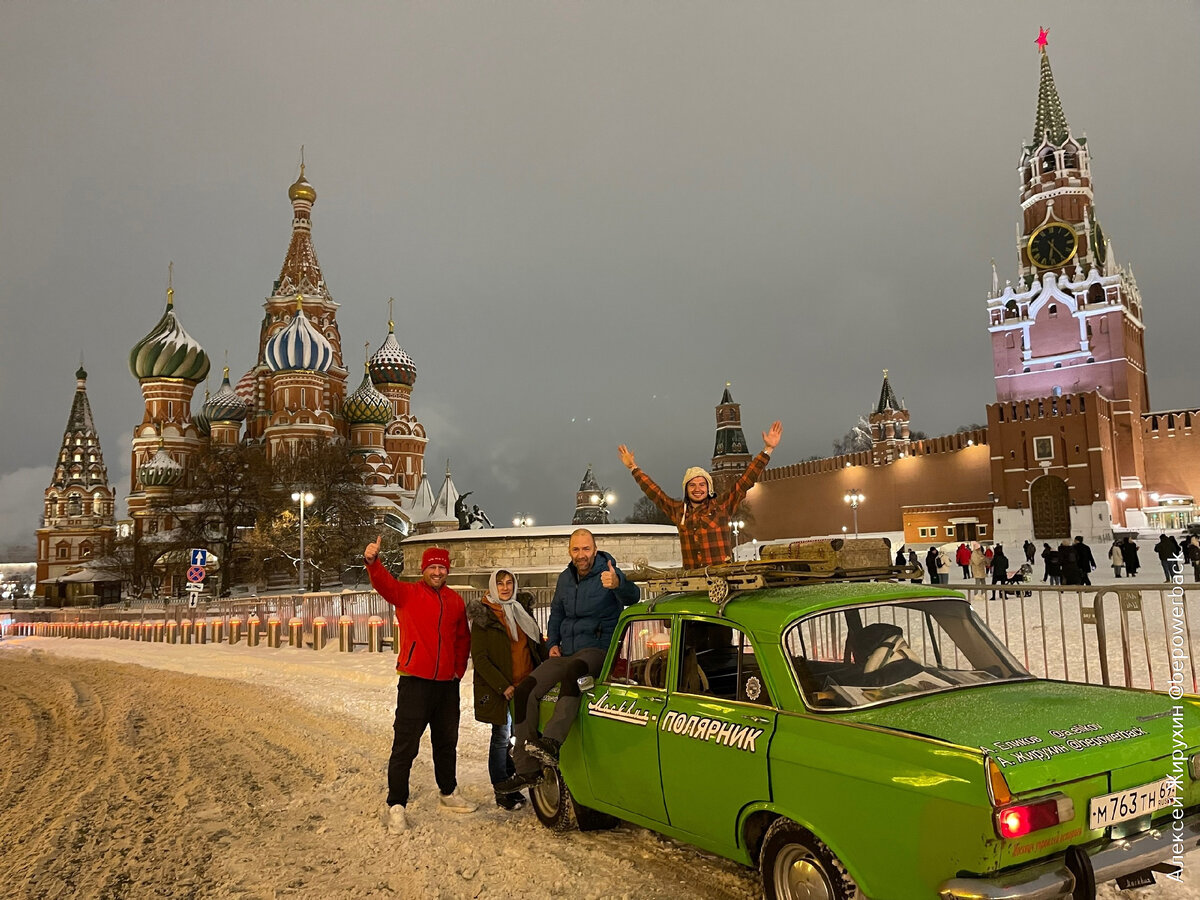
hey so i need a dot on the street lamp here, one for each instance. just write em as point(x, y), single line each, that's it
point(854, 498)
point(304, 498)
point(603, 502)
point(522, 520)
point(736, 526)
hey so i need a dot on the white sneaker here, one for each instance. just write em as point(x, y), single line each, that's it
point(456, 802)
point(395, 819)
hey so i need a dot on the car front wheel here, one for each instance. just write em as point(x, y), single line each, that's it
point(795, 865)
point(552, 802)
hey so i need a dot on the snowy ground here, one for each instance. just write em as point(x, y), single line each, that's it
point(142, 770)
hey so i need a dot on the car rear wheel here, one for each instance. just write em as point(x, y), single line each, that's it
point(795, 865)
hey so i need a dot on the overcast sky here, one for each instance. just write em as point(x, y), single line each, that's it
point(591, 215)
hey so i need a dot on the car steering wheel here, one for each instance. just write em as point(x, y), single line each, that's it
point(656, 660)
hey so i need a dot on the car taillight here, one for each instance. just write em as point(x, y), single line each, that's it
point(1023, 818)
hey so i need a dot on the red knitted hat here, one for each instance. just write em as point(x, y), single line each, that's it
point(435, 556)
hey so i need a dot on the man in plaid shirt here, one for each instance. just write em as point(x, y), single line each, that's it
point(702, 516)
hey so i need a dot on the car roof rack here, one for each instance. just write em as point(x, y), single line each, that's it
point(798, 563)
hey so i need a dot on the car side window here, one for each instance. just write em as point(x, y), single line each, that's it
point(718, 661)
point(642, 654)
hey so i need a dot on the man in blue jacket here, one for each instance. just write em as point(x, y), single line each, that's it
point(587, 602)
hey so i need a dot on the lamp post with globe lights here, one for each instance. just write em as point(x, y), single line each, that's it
point(304, 498)
point(603, 502)
point(522, 521)
point(736, 527)
point(854, 498)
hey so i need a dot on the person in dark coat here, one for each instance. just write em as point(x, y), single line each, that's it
point(900, 557)
point(931, 565)
point(915, 564)
point(1167, 549)
point(1085, 560)
point(1191, 549)
point(1030, 552)
point(1053, 571)
point(1068, 562)
point(506, 646)
point(999, 567)
point(1129, 552)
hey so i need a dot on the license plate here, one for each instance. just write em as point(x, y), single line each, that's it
point(1129, 803)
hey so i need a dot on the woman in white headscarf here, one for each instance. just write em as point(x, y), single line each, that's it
point(506, 645)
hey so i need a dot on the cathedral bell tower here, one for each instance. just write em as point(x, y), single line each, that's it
point(1067, 347)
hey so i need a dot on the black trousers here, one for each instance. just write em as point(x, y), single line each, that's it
point(422, 703)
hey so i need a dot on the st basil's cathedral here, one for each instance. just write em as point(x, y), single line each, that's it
point(296, 392)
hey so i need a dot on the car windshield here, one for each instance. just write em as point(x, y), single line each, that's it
point(869, 654)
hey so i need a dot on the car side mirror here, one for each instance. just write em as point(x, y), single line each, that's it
point(586, 683)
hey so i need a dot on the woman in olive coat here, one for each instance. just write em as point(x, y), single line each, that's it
point(506, 645)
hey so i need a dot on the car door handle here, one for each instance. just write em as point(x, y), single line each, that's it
point(761, 720)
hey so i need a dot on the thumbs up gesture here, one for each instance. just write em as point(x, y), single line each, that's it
point(373, 549)
point(610, 579)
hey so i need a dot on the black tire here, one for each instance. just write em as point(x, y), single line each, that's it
point(552, 802)
point(592, 819)
point(795, 864)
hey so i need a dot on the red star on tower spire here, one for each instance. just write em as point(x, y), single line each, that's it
point(1043, 38)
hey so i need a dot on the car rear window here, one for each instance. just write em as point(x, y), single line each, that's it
point(874, 653)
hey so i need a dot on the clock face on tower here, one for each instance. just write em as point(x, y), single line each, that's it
point(1052, 245)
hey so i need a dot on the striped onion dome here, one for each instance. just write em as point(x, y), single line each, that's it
point(160, 470)
point(200, 419)
point(225, 405)
point(168, 351)
point(299, 346)
point(390, 364)
point(367, 406)
point(245, 388)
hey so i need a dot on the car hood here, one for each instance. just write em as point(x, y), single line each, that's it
point(1047, 732)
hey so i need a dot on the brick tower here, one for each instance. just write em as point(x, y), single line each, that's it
point(730, 456)
point(1068, 352)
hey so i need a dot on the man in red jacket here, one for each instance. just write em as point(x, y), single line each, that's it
point(434, 646)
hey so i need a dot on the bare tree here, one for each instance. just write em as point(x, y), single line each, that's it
point(337, 524)
point(644, 512)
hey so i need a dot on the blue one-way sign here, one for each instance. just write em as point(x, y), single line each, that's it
point(199, 557)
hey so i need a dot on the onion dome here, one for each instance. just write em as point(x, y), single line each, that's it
point(299, 346)
point(390, 364)
point(367, 406)
point(160, 470)
point(245, 388)
point(301, 189)
point(201, 420)
point(225, 405)
point(168, 351)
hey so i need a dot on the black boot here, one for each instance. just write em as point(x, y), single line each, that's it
point(510, 801)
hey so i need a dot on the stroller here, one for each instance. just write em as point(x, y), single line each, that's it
point(1023, 575)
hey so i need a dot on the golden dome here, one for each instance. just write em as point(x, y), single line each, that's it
point(301, 189)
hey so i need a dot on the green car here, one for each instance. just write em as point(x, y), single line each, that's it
point(875, 740)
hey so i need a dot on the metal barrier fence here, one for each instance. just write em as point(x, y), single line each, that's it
point(1140, 637)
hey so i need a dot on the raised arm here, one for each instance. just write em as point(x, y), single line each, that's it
point(749, 478)
point(671, 508)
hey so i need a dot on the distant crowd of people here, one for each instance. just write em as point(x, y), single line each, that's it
point(1070, 563)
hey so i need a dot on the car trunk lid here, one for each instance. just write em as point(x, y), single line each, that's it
point(1046, 732)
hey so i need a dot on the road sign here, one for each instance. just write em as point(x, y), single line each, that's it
point(192, 602)
point(194, 587)
point(199, 557)
point(195, 573)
